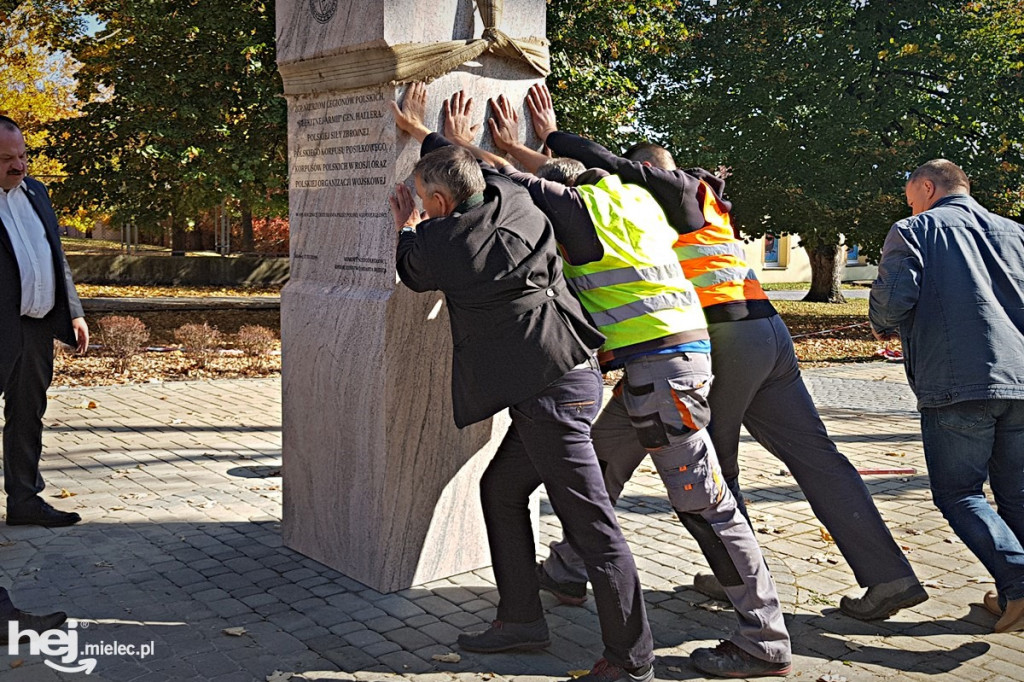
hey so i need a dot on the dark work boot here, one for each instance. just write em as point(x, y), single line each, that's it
point(502, 636)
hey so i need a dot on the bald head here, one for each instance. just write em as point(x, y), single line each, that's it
point(932, 181)
point(651, 154)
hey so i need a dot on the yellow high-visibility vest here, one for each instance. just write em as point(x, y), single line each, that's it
point(637, 292)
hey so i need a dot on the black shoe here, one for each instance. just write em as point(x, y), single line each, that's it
point(605, 671)
point(708, 585)
point(885, 599)
point(503, 636)
point(40, 513)
point(572, 594)
point(29, 621)
point(728, 660)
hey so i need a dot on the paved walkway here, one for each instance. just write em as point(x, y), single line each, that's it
point(178, 484)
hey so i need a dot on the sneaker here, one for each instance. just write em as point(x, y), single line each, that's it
point(572, 594)
point(728, 660)
point(604, 671)
point(708, 585)
point(503, 636)
point(883, 600)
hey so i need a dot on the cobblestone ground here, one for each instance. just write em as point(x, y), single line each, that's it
point(179, 487)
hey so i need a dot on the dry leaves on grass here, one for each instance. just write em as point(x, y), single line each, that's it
point(151, 291)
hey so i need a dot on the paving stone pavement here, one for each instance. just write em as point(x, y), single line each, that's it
point(179, 487)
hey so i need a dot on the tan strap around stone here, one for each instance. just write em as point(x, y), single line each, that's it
point(361, 68)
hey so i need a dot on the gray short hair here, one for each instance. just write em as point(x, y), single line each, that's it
point(945, 175)
point(450, 169)
point(562, 170)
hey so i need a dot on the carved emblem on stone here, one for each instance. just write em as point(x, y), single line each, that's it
point(323, 10)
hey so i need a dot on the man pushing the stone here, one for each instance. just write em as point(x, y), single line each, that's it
point(521, 341)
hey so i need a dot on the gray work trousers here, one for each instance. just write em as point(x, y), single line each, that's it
point(661, 407)
point(758, 384)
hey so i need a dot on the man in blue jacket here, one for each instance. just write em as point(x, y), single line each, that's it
point(951, 281)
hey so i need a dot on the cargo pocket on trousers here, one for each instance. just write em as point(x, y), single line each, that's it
point(694, 486)
point(692, 403)
point(650, 430)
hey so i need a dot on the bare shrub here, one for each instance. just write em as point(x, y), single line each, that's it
point(124, 337)
point(256, 341)
point(199, 341)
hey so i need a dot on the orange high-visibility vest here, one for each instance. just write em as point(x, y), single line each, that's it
point(713, 258)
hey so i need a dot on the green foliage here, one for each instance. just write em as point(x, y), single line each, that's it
point(182, 108)
point(604, 54)
point(821, 109)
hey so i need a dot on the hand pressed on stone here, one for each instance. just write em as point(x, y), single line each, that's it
point(409, 117)
point(403, 208)
point(542, 111)
point(458, 126)
point(504, 124)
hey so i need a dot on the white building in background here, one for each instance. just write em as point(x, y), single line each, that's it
point(782, 259)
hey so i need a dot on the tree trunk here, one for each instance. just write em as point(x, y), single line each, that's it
point(826, 275)
point(247, 234)
point(179, 236)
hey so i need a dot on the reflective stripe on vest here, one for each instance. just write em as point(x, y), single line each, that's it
point(654, 273)
point(644, 306)
point(637, 292)
point(714, 261)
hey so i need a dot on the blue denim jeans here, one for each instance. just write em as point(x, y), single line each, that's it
point(965, 443)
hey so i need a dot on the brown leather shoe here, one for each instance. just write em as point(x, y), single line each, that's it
point(991, 602)
point(1013, 617)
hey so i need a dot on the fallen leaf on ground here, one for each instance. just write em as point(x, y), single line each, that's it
point(17, 663)
point(85, 405)
point(711, 606)
point(278, 676)
point(103, 564)
point(574, 674)
point(981, 579)
point(447, 658)
point(674, 669)
point(952, 540)
point(895, 454)
point(825, 535)
point(65, 493)
point(914, 531)
point(854, 646)
point(234, 632)
point(934, 584)
point(831, 677)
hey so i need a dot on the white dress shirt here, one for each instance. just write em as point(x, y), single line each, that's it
point(32, 251)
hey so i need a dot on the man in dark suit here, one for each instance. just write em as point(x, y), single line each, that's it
point(521, 341)
point(38, 303)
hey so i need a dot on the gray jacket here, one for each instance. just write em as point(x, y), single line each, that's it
point(951, 279)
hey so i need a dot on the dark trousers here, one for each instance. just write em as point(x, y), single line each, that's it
point(24, 405)
point(549, 442)
point(758, 384)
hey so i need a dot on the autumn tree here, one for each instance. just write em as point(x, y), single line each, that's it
point(36, 81)
point(192, 115)
point(604, 54)
point(821, 109)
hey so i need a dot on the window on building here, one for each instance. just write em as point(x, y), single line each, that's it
point(853, 254)
point(776, 251)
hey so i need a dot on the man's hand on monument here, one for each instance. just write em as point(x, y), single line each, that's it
point(504, 124)
point(458, 126)
point(403, 208)
point(409, 117)
point(542, 111)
